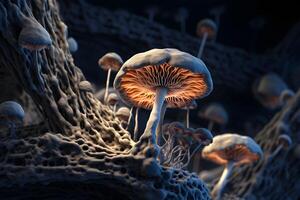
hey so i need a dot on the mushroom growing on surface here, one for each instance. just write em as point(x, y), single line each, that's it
point(73, 46)
point(11, 113)
point(284, 142)
point(123, 114)
point(215, 113)
point(34, 36)
point(230, 150)
point(206, 29)
point(268, 90)
point(113, 100)
point(193, 105)
point(156, 76)
point(285, 96)
point(110, 62)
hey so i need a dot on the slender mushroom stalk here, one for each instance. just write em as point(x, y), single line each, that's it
point(218, 188)
point(109, 62)
point(230, 150)
point(154, 118)
point(130, 117)
point(202, 45)
point(161, 121)
point(136, 125)
point(191, 106)
point(188, 117)
point(206, 29)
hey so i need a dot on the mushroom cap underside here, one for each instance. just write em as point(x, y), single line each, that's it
point(232, 148)
point(110, 61)
point(185, 76)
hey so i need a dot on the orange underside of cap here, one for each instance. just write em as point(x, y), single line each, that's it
point(139, 85)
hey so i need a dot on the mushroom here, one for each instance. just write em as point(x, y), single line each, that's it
point(285, 96)
point(11, 113)
point(73, 46)
point(151, 12)
point(284, 142)
point(156, 76)
point(215, 113)
point(34, 36)
point(85, 86)
point(110, 62)
point(206, 29)
point(123, 114)
point(100, 94)
point(113, 100)
point(268, 90)
point(193, 105)
point(217, 12)
point(230, 150)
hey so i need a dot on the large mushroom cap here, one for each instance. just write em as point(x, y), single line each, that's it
point(232, 148)
point(34, 36)
point(185, 76)
point(110, 61)
point(11, 109)
point(207, 26)
point(216, 113)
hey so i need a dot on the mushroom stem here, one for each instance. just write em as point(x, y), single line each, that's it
point(107, 85)
point(136, 125)
point(154, 118)
point(161, 121)
point(129, 119)
point(210, 125)
point(277, 150)
point(188, 118)
point(218, 189)
point(203, 41)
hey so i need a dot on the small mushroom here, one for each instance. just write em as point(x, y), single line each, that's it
point(268, 89)
point(181, 15)
point(11, 113)
point(206, 29)
point(113, 100)
point(123, 114)
point(284, 142)
point(193, 105)
point(73, 46)
point(215, 113)
point(110, 62)
point(100, 94)
point(159, 76)
point(85, 86)
point(34, 36)
point(286, 95)
point(230, 150)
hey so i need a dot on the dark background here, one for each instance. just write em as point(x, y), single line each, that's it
point(235, 29)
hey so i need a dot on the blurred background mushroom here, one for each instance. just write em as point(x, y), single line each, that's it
point(230, 150)
point(284, 143)
point(151, 11)
point(268, 89)
point(181, 16)
point(193, 105)
point(11, 115)
point(149, 79)
point(123, 114)
point(206, 29)
point(73, 45)
point(285, 96)
point(214, 113)
point(110, 62)
point(216, 12)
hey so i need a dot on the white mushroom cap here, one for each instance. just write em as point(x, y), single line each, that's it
point(34, 36)
point(110, 61)
point(185, 76)
point(73, 46)
point(112, 98)
point(215, 112)
point(232, 148)
point(12, 110)
point(207, 26)
point(123, 113)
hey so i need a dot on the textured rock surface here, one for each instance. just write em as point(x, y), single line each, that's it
point(83, 152)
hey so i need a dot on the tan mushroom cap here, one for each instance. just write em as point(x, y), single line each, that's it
point(110, 61)
point(216, 113)
point(232, 148)
point(206, 26)
point(185, 76)
point(123, 113)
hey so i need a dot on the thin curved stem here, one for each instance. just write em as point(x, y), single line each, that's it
point(218, 189)
point(161, 121)
point(201, 49)
point(129, 119)
point(136, 124)
point(107, 85)
point(188, 118)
